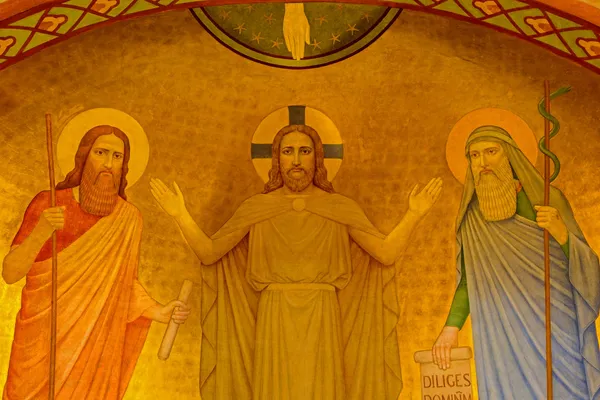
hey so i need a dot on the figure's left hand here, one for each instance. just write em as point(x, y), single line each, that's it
point(421, 203)
point(176, 310)
point(549, 218)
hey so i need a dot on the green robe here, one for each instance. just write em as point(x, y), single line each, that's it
point(459, 311)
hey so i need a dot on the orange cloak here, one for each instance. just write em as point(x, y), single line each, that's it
point(100, 332)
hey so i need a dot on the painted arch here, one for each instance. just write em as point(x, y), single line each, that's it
point(394, 105)
point(570, 29)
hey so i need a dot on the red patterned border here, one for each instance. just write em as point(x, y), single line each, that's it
point(585, 50)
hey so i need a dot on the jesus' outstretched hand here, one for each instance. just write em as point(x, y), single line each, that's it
point(208, 250)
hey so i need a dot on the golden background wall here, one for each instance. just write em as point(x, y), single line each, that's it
point(199, 103)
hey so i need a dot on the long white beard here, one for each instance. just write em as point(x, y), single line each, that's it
point(497, 193)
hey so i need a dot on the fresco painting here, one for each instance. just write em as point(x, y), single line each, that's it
point(272, 200)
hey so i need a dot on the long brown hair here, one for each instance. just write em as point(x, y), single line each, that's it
point(320, 180)
point(73, 178)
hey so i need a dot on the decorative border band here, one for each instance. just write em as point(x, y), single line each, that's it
point(564, 35)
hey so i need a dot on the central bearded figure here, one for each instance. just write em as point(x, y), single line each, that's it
point(299, 297)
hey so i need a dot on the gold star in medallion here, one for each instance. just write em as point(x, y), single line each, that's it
point(224, 14)
point(321, 19)
point(335, 38)
point(240, 28)
point(269, 18)
point(339, 7)
point(315, 44)
point(366, 16)
point(257, 38)
point(250, 8)
point(352, 29)
point(276, 43)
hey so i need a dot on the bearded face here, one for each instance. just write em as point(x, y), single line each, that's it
point(101, 178)
point(494, 182)
point(297, 161)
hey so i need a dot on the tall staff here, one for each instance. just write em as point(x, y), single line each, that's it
point(544, 145)
point(52, 379)
point(547, 248)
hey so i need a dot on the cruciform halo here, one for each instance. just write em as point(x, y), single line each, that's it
point(262, 140)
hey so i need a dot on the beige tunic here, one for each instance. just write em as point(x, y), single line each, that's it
point(297, 311)
point(297, 260)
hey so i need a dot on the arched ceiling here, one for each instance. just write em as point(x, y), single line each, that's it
point(568, 28)
point(587, 10)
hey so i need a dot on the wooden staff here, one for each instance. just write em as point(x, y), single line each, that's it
point(51, 381)
point(549, 392)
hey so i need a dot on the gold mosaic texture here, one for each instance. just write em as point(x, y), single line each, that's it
point(199, 103)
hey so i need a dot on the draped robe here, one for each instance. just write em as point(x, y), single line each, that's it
point(297, 310)
point(100, 331)
point(504, 263)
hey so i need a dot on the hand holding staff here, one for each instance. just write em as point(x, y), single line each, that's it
point(53, 315)
point(558, 231)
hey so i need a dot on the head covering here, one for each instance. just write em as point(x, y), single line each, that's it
point(527, 174)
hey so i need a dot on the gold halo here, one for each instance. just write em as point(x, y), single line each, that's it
point(76, 128)
point(272, 123)
point(513, 124)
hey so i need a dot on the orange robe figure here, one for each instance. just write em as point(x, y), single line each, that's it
point(100, 328)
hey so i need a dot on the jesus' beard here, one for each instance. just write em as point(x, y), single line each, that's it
point(97, 195)
point(298, 184)
point(496, 193)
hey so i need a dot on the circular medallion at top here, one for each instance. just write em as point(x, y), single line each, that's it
point(296, 36)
